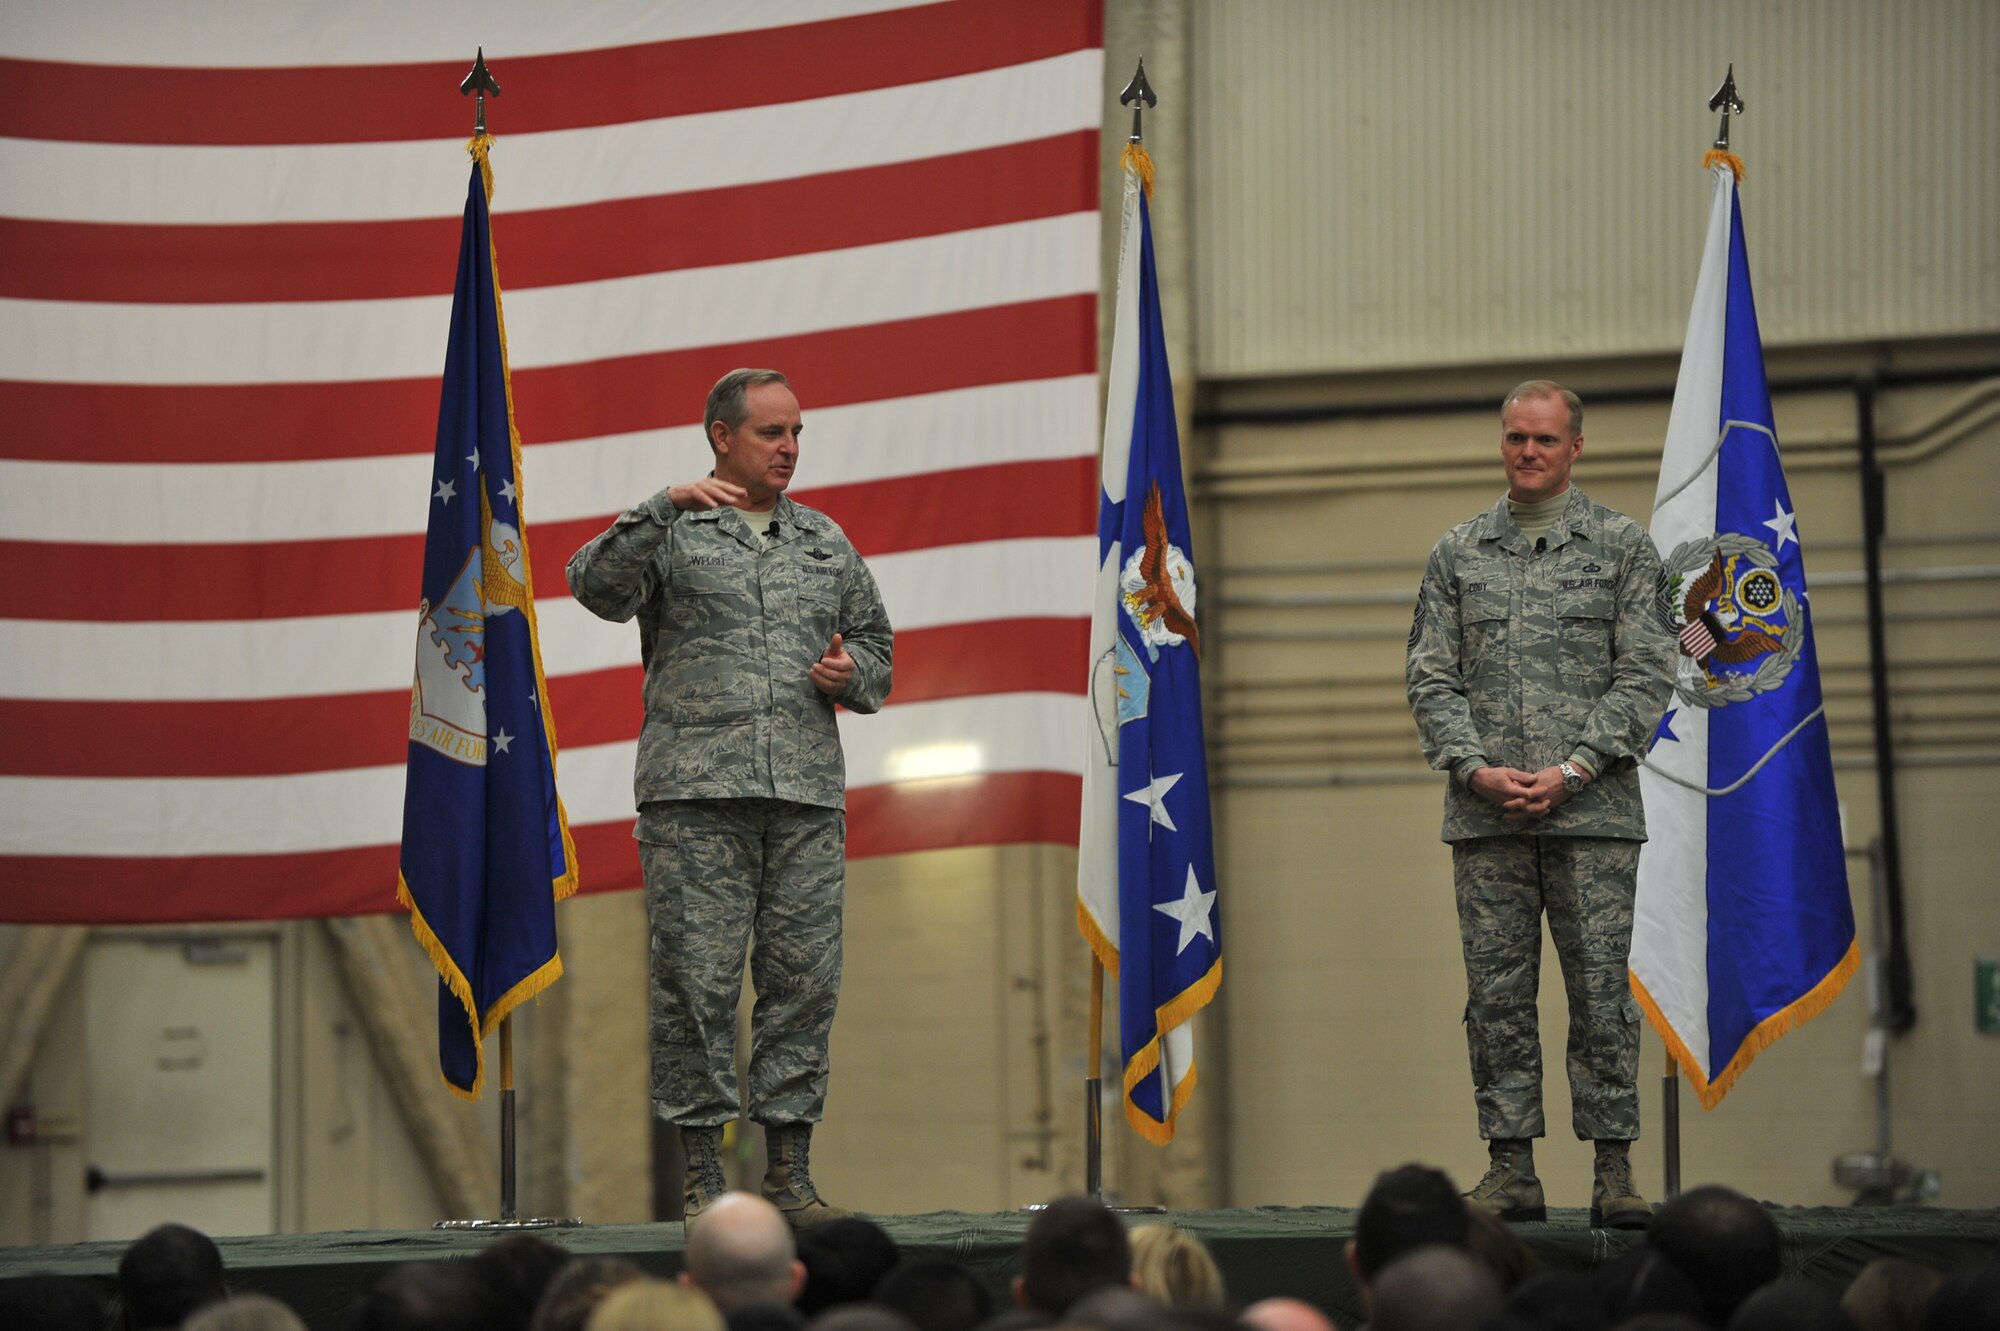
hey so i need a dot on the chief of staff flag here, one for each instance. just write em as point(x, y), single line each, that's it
point(1145, 860)
point(1743, 928)
point(486, 846)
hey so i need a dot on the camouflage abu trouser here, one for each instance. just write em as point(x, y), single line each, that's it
point(1585, 884)
point(717, 870)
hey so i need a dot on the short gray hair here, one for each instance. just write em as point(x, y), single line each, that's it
point(1532, 388)
point(728, 401)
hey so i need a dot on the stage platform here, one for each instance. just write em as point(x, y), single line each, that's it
point(1263, 1251)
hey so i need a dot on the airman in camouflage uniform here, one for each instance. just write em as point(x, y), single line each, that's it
point(756, 616)
point(1539, 665)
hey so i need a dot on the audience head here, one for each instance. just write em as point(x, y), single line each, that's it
point(426, 1296)
point(1284, 1315)
point(1724, 1243)
point(1967, 1298)
point(1791, 1304)
point(577, 1289)
point(1433, 1288)
point(517, 1270)
point(936, 1295)
point(741, 1251)
point(168, 1273)
point(655, 1305)
point(1172, 1266)
point(860, 1317)
point(1074, 1245)
point(764, 1317)
point(1643, 1282)
point(1889, 1295)
point(245, 1312)
point(1408, 1207)
point(60, 1303)
point(1557, 1301)
point(1493, 1242)
point(844, 1260)
point(1123, 1308)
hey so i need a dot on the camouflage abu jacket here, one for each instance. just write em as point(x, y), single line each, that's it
point(1520, 659)
point(729, 627)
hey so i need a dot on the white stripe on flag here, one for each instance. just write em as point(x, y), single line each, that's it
point(325, 341)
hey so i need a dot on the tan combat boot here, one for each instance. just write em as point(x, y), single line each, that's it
point(1510, 1189)
point(1615, 1202)
point(788, 1181)
point(705, 1180)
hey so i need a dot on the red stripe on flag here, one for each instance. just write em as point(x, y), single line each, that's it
point(186, 423)
point(1005, 808)
point(1001, 809)
point(361, 575)
point(241, 737)
point(43, 99)
point(309, 261)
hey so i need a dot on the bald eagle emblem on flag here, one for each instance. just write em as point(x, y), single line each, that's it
point(1735, 619)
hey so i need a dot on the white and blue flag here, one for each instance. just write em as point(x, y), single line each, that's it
point(1146, 864)
point(1743, 927)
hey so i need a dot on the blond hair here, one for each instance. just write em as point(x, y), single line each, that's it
point(654, 1305)
point(1172, 1266)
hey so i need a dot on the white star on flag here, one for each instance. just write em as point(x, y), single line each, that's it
point(1782, 524)
point(1155, 795)
point(507, 492)
point(1192, 910)
point(445, 491)
point(473, 458)
point(502, 740)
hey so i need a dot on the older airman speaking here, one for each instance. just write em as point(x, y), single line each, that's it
point(756, 616)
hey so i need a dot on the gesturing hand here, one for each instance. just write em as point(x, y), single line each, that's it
point(833, 669)
point(708, 492)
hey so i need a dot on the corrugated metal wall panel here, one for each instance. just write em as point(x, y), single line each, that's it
point(1451, 181)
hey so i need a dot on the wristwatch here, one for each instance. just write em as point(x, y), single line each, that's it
point(1572, 779)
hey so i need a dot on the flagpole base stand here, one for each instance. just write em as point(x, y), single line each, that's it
point(490, 1226)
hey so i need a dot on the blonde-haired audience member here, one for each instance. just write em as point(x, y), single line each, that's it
point(1172, 1266)
point(655, 1305)
point(1890, 1294)
point(245, 1312)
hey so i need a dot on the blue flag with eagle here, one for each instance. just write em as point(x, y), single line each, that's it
point(1743, 927)
point(1145, 863)
point(486, 847)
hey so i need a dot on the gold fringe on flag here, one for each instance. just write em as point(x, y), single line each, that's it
point(1723, 157)
point(1139, 162)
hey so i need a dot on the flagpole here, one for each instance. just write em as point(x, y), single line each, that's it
point(480, 81)
point(1093, 1088)
point(1670, 1127)
point(507, 1208)
point(1725, 101)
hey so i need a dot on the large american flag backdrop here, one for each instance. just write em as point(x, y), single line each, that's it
point(227, 241)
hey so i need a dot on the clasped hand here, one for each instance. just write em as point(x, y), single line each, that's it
point(1521, 795)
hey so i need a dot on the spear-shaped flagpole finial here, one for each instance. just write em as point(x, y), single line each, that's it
point(481, 82)
point(1725, 101)
point(1138, 95)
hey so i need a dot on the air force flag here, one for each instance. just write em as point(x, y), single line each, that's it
point(1743, 928)
point(486, 847)
point(1145, 866)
